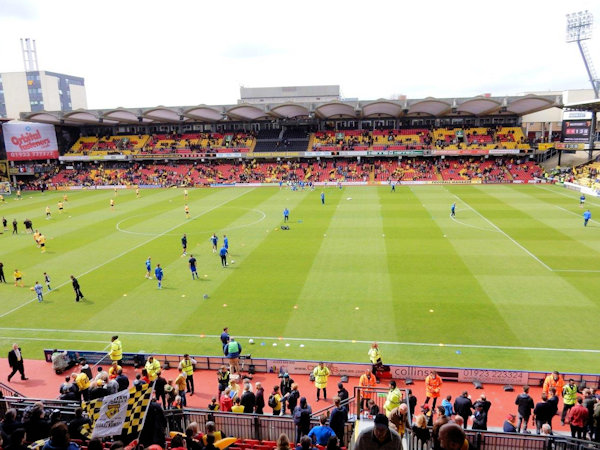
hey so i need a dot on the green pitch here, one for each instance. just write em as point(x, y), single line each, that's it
point(508, 281)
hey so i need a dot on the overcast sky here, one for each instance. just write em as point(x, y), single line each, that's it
point(148, 53)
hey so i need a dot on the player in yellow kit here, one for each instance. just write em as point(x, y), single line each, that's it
point(48, 215)
point(112, 204)
point(61, 206)
point(187, 212)
point(137, 192)
point(42, 242)
point(65, 198)
point(18, 278)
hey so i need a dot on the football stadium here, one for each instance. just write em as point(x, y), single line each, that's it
point(198, 275)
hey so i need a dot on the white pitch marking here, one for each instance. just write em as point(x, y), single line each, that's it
point(567, 195)
point(574, 213)
point(473, 226)
point(124, 253)
point(506, 235)
point(118, 226)
point(277, 338)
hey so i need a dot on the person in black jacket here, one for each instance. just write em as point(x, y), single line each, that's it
point(463, 407)
point(285, 387)
point(542, 413)
point(154, 426)
point(302, 414)
point(525, 405)
point(248, 399)
point(75, 425)
point(479, 417)
point(15, 361)
point(338, 419)
point(78, 294)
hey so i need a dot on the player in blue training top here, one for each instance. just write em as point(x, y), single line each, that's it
point(453, 210)
point(587, 215)
point(184, 245)
point(148, 268)
point(39, 290)
point(286, 215)
point(192, 262)
point(581, 200)
point(214, 239)
point(158, 273)
point(322, 198)
point(225, 242)
point(223, 254)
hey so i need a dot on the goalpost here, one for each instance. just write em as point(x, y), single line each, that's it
point(5, 188)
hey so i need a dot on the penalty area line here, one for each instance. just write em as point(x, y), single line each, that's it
point(297, 339)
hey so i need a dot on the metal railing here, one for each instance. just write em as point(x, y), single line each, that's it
point(243, 426)
point(484, 440)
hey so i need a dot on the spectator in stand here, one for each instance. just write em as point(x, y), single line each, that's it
point(285, 387)
point(321, 433)
point(509, 424)
point(479, 417)
point(399, 419)
point(68, 390)
point(419, 428)
point(159, 388)
point(260, 398)
point(292, 398)
point(338, 419)
point(542, 413)
point(223, 376)
point(155, 426)
point(525, 406)
point(226, 402)
point(452, 437)
point(248, 399)
point(301, 415)
point(59, 438)
point(36, 425)
point(122, 380)
point(237, 406)
point(77, 423)
point(10, 423)
point(447, 404)
point(589, 401)
point(181, 386)
point(342, 393)
point(16, 441)
point(578, 418)
point(306, 443)
point(553, 402)
point(283, 442)
point(379, 437)
point(442, 420)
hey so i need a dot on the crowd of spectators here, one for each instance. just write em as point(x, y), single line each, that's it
point(185, 173)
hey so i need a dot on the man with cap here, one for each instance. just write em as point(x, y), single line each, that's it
point(393, 399)
point(379, 437)
point(509, 424)
point(285, 388)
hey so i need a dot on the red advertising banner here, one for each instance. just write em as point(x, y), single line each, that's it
point(27, 141)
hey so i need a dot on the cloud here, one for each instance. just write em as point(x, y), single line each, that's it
point(18, 9)
point(251, 50)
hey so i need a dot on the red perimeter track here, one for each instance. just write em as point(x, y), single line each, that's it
point(44, 383)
